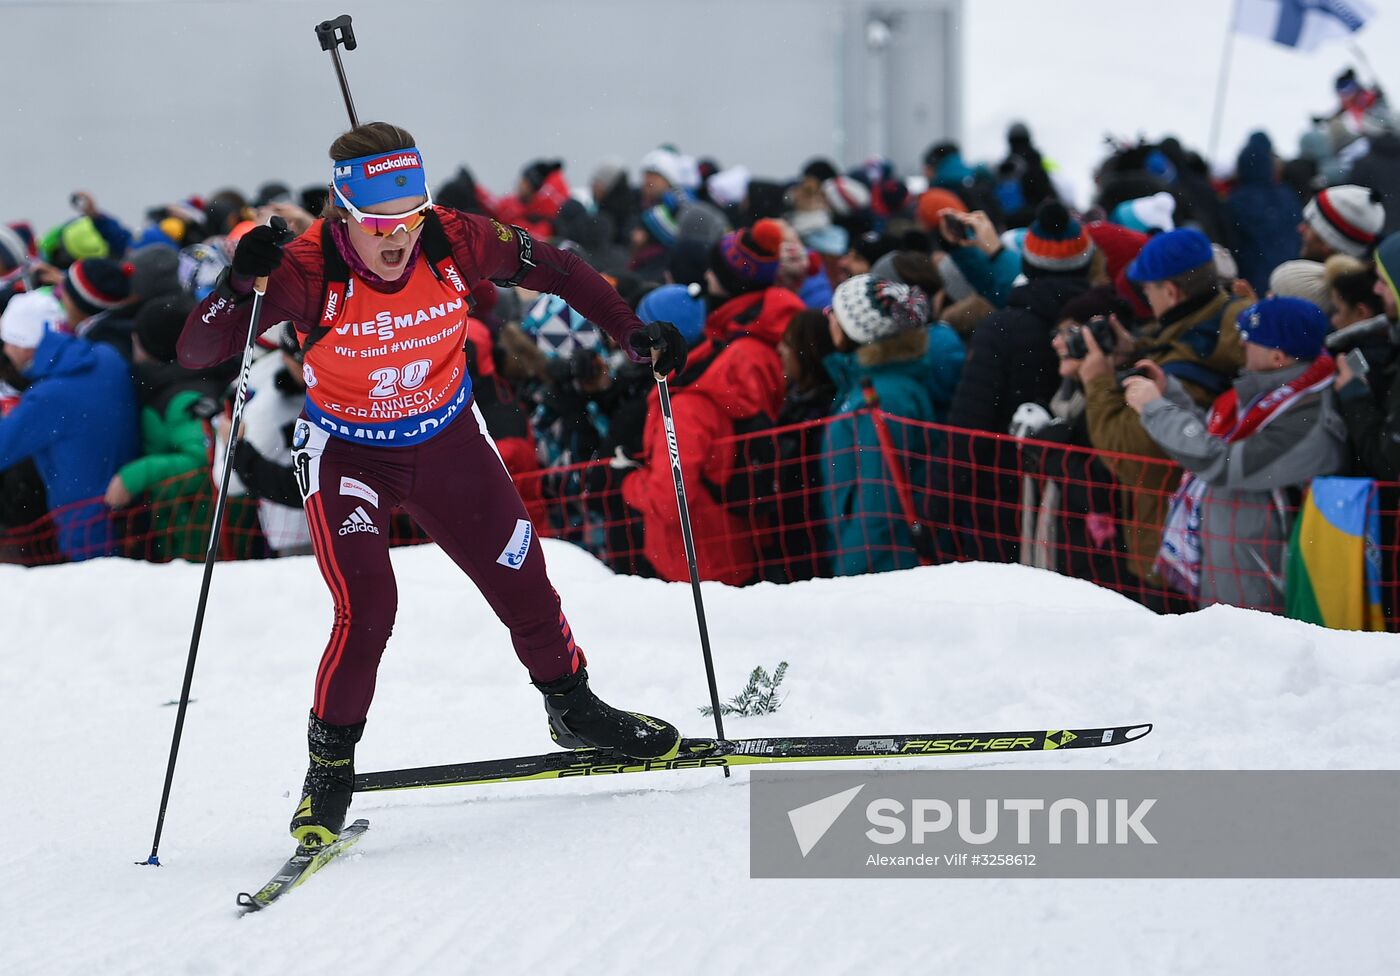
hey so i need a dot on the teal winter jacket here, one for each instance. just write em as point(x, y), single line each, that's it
point(914, 375)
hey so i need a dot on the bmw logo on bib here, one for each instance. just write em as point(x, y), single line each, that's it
point(301, 435)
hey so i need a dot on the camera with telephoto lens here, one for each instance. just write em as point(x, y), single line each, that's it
point(1077, 348)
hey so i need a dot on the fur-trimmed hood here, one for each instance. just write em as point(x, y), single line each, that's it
point(899, 348)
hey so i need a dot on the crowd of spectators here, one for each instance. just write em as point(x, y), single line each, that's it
point(981, 297)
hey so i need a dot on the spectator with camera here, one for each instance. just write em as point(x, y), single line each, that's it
point(1194, 340)
point(976, 249)
point(1367, 394)
point(1072, 523)
point(1363, 339)
point(1010, 361)
point(1275, 429)
point(1351, 291)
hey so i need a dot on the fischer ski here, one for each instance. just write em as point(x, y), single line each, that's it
point(302, 865)
point(722, 753)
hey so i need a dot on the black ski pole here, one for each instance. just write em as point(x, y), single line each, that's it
point(259, 288)
point(689, 538)
point(332, 34)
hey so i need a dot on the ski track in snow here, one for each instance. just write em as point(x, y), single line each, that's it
point(647, 873)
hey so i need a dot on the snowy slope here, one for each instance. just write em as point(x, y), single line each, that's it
point(645, 874)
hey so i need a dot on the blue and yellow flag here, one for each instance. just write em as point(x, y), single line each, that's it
point(1334, 560)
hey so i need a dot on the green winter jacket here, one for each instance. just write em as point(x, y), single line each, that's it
point(174, 441)
point(172, 476)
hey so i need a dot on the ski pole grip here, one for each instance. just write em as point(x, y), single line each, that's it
point(281, 234)
point(335, 32)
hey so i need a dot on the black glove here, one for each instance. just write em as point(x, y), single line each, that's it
point(665, 337)
point(259, 252)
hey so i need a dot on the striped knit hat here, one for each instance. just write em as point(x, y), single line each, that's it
point(1056, 243)
point(660, 221)
point(1348, 218)
point(96, 284)
point(748, 260)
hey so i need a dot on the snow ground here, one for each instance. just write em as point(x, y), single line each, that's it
point(642, 874)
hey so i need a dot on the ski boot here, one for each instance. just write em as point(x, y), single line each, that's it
point(579, 720)
point(330, 782)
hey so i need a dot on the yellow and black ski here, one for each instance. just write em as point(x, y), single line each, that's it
point(720, 753)
point(302, 865)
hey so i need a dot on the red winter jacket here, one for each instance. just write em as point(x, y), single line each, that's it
point(744, 378)
point(537, 214)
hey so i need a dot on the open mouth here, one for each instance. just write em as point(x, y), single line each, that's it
point(393, 257)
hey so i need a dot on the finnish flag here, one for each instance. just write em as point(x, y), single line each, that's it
point(1302, 24)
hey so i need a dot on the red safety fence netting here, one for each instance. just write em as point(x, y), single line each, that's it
point(858, 493)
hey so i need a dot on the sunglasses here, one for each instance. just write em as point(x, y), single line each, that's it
point(386, 225)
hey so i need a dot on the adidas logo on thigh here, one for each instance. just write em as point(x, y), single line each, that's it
point(358, 521)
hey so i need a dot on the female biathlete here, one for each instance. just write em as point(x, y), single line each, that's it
point(379, 291)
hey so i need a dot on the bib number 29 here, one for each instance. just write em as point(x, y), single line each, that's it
point(390, 380)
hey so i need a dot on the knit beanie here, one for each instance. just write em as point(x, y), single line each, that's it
point(934, 200)
point(1291, 325)
point(96, 284)
point(679, 306)
point(1118, 244)
point(873, 245)
point(869, 309)
point(81, 239)
point(846, 195)
point(1302, 279)
point(889, 196)
point(1348, 218)
point(747, 260)
point(155, 270)
point(728, 187)
point(702, 222)
point(28, 317)
point(665, 164)
point(536, 172)
point(1388, 262)
point(1147, 214)
point(688, 260)
point(660, 222)
point(159, 323)
point(1056, 243)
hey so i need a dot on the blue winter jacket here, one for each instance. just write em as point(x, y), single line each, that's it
point(78, 421)
point(815, 291)
point(1265, 215)
point(914, 375)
